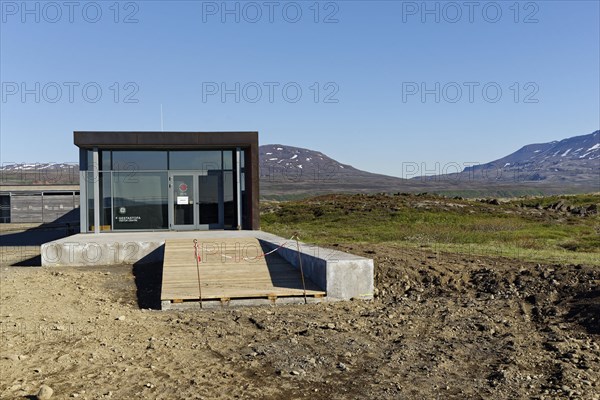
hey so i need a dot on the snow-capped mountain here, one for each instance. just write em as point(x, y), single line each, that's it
point(573, 159)
point(48, 173)
point(37, 166)
point(570, 165)
point(275, 158)
point(288, 170)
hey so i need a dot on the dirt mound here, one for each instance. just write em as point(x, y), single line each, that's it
point(441, 326)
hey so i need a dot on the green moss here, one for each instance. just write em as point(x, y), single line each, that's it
point(446, 224)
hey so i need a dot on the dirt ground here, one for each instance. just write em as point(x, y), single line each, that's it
point(441, 327)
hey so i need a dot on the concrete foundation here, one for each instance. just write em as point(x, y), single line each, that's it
point(342, 275)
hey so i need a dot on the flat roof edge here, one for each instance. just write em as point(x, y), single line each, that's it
point(87, 139)
point(195, 132)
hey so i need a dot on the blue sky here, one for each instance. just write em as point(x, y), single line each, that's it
point(362, 68)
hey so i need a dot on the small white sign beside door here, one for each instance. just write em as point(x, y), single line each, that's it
point(182, 200)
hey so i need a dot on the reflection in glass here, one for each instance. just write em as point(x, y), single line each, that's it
point(229, 200)
point(227, 159)
point(208, 198)
point(244, 199)
point(105, 157)
point(195, 160)
point(139, 160)
point(105, 201)
point(5, 209)
point(89, 155)
point(140, 200)
point(89, 186)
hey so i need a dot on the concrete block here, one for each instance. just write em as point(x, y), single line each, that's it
point(86, 250)
point(342, 275)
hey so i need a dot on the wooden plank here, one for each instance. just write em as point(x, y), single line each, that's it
point(229, 270)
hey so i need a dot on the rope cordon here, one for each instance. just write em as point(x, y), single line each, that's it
point(198, 260)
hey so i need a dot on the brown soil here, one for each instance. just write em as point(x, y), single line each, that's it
point(441, 327)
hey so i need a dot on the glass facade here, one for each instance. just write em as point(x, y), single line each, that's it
point(209, 198)
point(243, 194)
point(106, 160)
point(140, 200)
point(5, 209)
point(105, 200)
point(165, 189)
point(90, 199)
point(229, 199)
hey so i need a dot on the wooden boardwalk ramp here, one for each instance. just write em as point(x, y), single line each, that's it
point(230, 268)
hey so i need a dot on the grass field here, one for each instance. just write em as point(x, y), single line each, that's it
point(518, 228)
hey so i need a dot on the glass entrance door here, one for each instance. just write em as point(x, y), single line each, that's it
point(183, 203)
point(196, 200)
